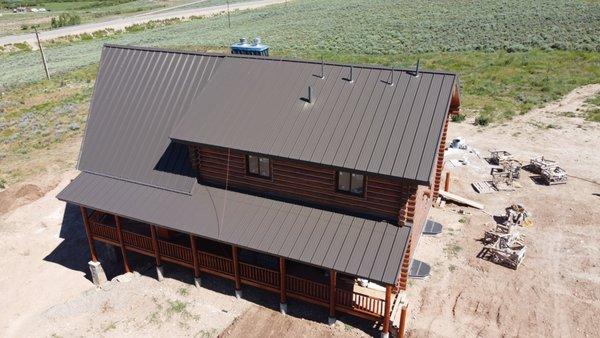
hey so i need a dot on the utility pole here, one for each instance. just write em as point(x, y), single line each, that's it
point(228, 18)
point(37, 36)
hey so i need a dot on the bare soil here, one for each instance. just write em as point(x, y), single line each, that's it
point(46, 289)
point(556, 291)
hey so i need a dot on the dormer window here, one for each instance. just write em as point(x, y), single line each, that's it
point(351, 183)
point(259, 166)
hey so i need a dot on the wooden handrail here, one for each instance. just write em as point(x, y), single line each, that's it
point(260, 275)
point(255, 275)
point(215, 262)
point(307, 288)
point(104, 231)
point(137, 241)
point(356, 300)
point(175, 251)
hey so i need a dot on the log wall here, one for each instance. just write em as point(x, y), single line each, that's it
point(384, 198)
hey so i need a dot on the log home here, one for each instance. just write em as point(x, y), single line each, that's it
point(291, 176)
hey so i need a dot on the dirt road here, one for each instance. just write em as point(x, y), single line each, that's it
point(555, 292)
point(121, 23)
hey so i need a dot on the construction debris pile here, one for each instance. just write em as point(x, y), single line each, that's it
point(506, 170)
point(549, 170)
point(504, 245)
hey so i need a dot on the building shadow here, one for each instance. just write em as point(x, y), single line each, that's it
point(74, 253)
point(296, 308)
point(175, 160)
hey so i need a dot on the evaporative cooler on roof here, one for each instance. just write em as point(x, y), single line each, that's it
point(255, 48)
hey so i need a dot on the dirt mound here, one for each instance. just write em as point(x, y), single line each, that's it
point(21, 194)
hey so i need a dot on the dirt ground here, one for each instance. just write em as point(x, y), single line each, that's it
point(46, 289)
point(556, 291)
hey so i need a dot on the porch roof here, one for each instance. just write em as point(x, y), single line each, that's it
point(348, 244)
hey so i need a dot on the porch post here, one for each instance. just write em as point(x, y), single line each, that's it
point(385, 332)
point(96, 271)
point(332, 286)
point(195, 260)
point(120, 235)
point(88, 233)
point(159, 267)
point(282, 286)
point(402, 327)
point(236, 270)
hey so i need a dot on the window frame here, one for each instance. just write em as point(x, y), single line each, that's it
point(258, 157)
point(349, 191)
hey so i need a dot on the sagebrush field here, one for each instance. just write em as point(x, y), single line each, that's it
point(511, 56)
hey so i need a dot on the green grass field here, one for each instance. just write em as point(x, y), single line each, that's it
point(510, 56)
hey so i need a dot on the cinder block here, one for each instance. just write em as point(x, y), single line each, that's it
point(283, 308)
point(98, 275)
point(160, 273)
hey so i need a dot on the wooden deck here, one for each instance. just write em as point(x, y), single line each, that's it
point(345, 299)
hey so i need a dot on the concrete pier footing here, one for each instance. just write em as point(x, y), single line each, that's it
point(98, 275)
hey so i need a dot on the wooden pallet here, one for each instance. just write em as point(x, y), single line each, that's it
point(484, 187)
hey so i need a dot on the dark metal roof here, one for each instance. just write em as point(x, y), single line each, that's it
point(258, 105)
point(348, 244)
point(139, 95)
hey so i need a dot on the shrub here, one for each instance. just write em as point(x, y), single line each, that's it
point(482, 120)
point(458, 118)
point(593, 115)
point(65, 19)
point(24, 46)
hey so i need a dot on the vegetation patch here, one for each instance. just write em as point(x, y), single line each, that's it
point(483, 120)
point(452, 249)
point(65, 19)
point(458, 118)
point(593, 115)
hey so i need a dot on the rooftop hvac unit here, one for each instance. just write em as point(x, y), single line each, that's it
point(256, 48)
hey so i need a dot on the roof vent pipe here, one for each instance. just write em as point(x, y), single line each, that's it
point(417, 70)
point(309, 94)
point(322, 68)
point(391, 81)
point(351, 77)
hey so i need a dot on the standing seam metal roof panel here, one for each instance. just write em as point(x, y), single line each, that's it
point(138, 97)
point(252, 222)
point(259, 105)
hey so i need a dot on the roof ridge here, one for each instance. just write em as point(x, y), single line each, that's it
point(269, 58)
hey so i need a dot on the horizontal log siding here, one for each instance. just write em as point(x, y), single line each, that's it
point(416, 212)
point(315, 184)
point(439, 161)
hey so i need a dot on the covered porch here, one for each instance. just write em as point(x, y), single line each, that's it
point(337, 292)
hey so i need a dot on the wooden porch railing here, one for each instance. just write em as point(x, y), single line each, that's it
point(259, 275)
point(104, 231)
point(175, 252)
point(305, 288)
point(215, 263)
point(137, 241)
point(358, 301)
